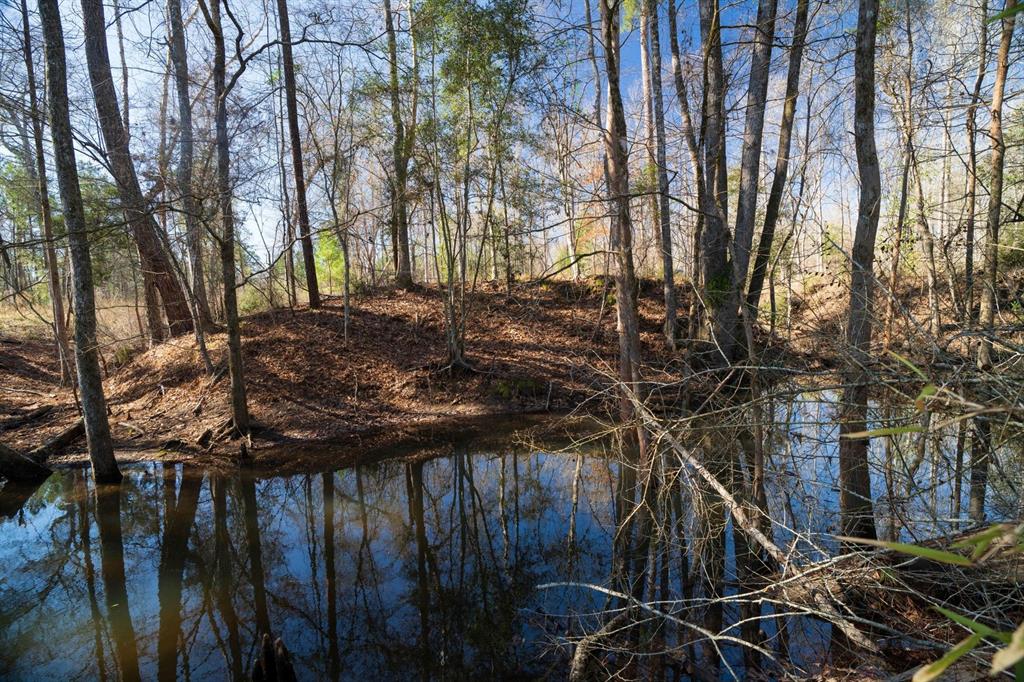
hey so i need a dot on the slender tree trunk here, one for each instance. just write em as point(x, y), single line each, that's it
point(90, 386)
point(981, 447)
point(193, 229)
point(750, 171)
point(155, 261)
point(995, 204)
point(60, 332)
point(296, 144)
point(856, 505)
point(664, 212)
point(972, 163)
point(714, 245)
point(627, 557)
point(696, 169)
point(771, 212)
point(239, 403)
point(622, 225)
point(401, 149)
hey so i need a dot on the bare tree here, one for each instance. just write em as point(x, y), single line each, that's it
point(90, 385)
point(156, 266)
point(60, 332)
point(295, 136)
point(856, 507)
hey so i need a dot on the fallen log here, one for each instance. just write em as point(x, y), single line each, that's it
point(14, 466)
point(58, 443)
point(30, 416)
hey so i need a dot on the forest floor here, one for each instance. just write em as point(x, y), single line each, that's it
point(547, 348)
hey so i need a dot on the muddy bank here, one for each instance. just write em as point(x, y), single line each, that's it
point(548, 349)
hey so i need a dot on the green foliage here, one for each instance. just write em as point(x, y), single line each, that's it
point(330, 262)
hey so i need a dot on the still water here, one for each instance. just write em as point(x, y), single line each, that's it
point(395, 570)
point(483, 562)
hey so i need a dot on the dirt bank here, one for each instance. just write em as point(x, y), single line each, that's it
point(544, 349)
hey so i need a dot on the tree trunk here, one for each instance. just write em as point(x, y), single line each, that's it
point(193, 230)
point(155, 261)
point(664, 213)
point(94, 404)
point(972, 163)
point(714, 246)
point(239, 403)
point(401, 149)
point(981, 447)
point(771, 211)
point(696, 168)
point(750, 171)
point(60, 332)
point(855, 502)
point(296, 144)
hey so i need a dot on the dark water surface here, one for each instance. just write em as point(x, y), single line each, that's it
point(483, 563)
point(394, 570)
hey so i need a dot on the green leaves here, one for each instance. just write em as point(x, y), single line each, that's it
point(914, 550)
point(1011, 654)
point(1006, 13)
point(934, 670)
point(885, 431)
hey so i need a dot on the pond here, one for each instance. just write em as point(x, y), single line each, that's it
point(482, 563)
point(394, 570)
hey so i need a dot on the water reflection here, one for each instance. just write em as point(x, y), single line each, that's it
point(395, 570)
point(474, 565)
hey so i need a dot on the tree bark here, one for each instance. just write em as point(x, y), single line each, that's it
point(622, 225)
point(296, 144)
point(714, 246)
point(972, 163)
point(855, 502)
point(60, 332)
point(155, 261)
point(771, 211)
point(193, 229)
point(236, 372)
point(981, 448)
point(401, 151)
point(696, 168)
point(750, 171)
point(664, 212)
point(94, 404)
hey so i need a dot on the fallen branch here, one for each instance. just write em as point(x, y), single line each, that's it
point(16, 466)
point(31, 416)
point(805, 587)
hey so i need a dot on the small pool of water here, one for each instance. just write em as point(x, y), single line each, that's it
point(488, 562)
point(389, 571)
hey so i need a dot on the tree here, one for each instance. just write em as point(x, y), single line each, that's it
point(226, 239)
point(664, 213)
point(193, 228)
point(621, 236)
point(750, 167)
point(856, 508)
point(982, 443)
point(402, 147)
point(295, 136)
point(771, 211)
point(60, 332)
point(156, 267)
point(90, 385)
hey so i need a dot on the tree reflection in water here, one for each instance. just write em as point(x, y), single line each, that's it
point(421, 569)
point(475, 564)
